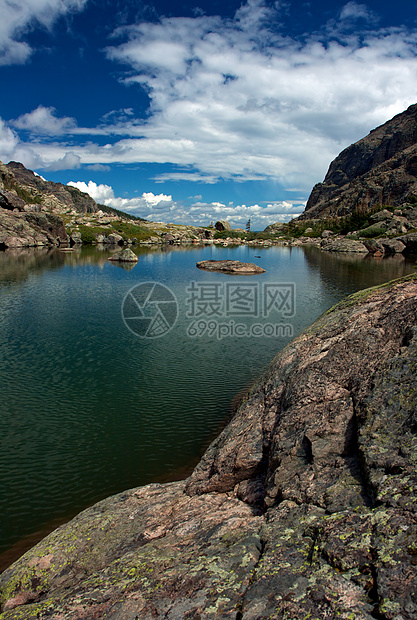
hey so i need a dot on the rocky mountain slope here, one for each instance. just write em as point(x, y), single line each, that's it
point(304, 507)
point(33, 189)
point(380, 169)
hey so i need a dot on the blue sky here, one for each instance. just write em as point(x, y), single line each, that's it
point(190, 112)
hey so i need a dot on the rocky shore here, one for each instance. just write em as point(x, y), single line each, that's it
point(304, 507)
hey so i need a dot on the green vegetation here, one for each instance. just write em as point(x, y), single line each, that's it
point(88, 233)
point(357, 220)
point(28, 197)
point(249, 236)
point(121, 214)
point(127, 230)
point(231, 234)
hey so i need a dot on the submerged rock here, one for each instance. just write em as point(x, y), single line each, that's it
point(230, 266)
point(304, 507)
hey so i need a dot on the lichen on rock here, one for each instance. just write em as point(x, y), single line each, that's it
point(303, 507)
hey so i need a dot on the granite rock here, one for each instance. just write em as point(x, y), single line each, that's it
point(305, 506)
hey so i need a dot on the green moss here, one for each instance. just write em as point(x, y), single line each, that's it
point(364, 294)
point(27, 196)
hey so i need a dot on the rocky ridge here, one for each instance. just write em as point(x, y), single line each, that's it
point(377, 170)
point(304, 507)
point(36, 212)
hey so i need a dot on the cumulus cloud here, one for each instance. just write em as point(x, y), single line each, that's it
point(231, 99)
point(44, 121)
point(68, 162)
point(146, 205)
point(161, 207)
point(16, 18)
point(102, 193)
point(234, 99)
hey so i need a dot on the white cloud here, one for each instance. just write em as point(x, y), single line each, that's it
point(16, 18)
point(354, 10)
point(162, 208)
point(100, 193)
point(68, 162)
point(229, 99)
point(144, 206)
point(233, 101)
point(44, 121)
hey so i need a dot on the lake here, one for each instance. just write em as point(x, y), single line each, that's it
point(113, 377)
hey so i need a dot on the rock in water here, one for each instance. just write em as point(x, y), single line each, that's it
point(230, 266)
point(304, 507)
point(125, 256)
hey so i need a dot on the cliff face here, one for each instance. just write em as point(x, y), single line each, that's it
point(379, 169)
point(304, 507)
point(55, 196)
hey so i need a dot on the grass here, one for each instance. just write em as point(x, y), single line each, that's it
point(357, 220)
point(125, 229)
point(121, 214)
point(25, 195)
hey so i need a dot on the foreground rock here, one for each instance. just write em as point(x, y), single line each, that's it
point(125, 256)
point(304, 507)
point(230, 266)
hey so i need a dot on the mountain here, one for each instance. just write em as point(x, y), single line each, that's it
point(20, 186)
point(380, 169)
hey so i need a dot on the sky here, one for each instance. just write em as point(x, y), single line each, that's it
point(193, 111)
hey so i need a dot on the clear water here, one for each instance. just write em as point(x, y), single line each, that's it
point(89, 409)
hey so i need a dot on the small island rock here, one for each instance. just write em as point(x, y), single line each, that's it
point(230, 266)
point(125, 256)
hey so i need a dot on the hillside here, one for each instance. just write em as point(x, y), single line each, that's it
point(380, 169)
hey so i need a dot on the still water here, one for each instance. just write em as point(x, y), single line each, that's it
point(89, 409)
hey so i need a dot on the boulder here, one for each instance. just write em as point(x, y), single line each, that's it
point(115, 239)
point(168, 238)
point(392, 246)
point(410, 242)
point(305, 506)
point(125, 256)
point(75, 237)
point(343, 245)
point(274, 228)
point(381, 216)
point(230, 266)
point(222, 225)
point(374, 245)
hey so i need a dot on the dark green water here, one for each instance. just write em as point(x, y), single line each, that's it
point(89, 409)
